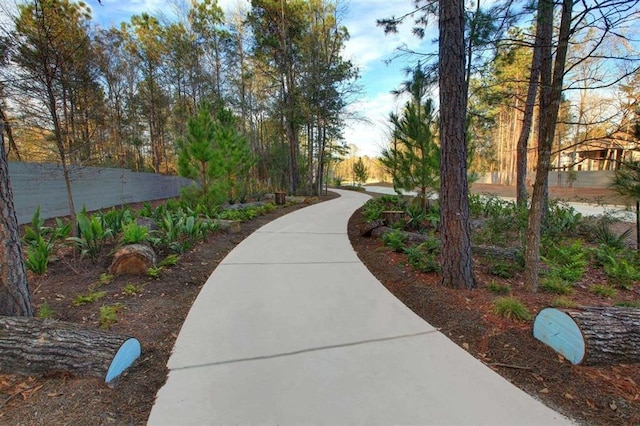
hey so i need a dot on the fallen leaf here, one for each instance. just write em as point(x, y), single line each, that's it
point(465, 345)
point(613, 405)
point(569, 396)
point(544, 390)
point(54, 394)
point(591, 404)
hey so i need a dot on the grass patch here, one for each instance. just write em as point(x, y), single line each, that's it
point(563, 302)
point(511, 308)
point(603, 290)
point(555, 284)
point(625, 304)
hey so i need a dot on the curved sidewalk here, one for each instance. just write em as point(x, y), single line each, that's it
point(292, 329)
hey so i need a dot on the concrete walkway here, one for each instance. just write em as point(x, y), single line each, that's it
point(292, 329)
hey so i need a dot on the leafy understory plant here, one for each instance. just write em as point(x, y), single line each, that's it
point(626, 304)
point(394, 240)
point(45, 311)
point(603, 290)
point(38, 256)
point(93, 235)
point(106, 278)
point(511, 308)
point(563, 302)
point(423, 256)
point(132, 233)
point(555, 284)
point(91, 297)
point(154, 271)
point(109, 315)
point(132, 289)
point(170, 260)
point(499, 288)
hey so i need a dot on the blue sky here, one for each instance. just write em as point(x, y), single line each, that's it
point(368, 48)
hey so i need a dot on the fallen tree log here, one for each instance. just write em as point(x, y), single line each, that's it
point(593, 335)
point(32, 346)
point(133, 259)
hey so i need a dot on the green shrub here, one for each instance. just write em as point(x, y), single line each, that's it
point(132, 233)
point(154, 272)
point(555, 284)
point(563, 302)
point(92, 234)
point(38, 255)
point(561, 219)
point(511, 308)
point(45, 311)
point(132, 289)
point(84, 299)
point(395, 240)
point(603, 290)
point(170, 260)
point(566, 261)
point(499, 288)
point(423, 258)
point(625, 304)
point(116, 219)
point(503, 268)
point(622, 273)
point(109, 315)
point(373, 208)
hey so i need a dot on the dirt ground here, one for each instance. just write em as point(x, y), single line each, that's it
point(602, 395)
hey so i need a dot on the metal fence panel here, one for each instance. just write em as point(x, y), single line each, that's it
point(92, 187)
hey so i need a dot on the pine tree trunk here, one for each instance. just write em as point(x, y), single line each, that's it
point(15, 299)
point(457, 268)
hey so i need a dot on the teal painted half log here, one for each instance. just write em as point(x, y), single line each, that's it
point(555, 328)
point(126, 355)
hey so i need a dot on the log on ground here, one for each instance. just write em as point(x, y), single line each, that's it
point(32, 346)
point(592, 335)
point(133, 259)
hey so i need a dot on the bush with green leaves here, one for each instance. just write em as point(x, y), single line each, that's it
point(563, 302)
point(511, 308)
point(557, 285)
point(117, 219)
point(627, 304)
point(567, 260)
point(91, 297)
point(622, 273)
point(38, 256)
point(395, 240)
point(45, 311)
point(499, 288)
point(560, 220)
point(373, 208)
point(603, 290)
point(109, 315)
point(503, 268)
point(92, 234)
point(40, 241)
point(133, 233)
point(423, 257)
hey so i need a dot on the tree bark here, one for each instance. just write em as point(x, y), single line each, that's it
point(527, 121)
point(31, 346)
point(593, 335)
point(551, 80)
point(457, 267)
point(15, 299)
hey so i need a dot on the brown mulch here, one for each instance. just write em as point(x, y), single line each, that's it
point(592, 395)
